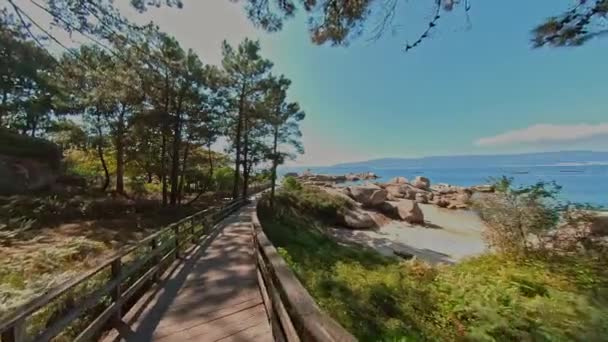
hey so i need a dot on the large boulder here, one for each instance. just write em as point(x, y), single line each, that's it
point(291, 174)
point(445, 189)
point(405, 210)
point(396, 190)
point(421, 183)
point(355, 218)
point(369, 195)
point(422, 198)
point(398, 180)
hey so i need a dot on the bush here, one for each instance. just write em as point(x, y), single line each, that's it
point(223, 179)
point(310, 201)
point(291, 184)
point(514, 217)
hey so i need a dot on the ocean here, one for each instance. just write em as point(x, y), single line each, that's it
point(580, 183)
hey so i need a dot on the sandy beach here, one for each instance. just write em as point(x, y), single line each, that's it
point(447, 237)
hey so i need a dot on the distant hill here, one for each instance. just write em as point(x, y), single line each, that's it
point(466, 161)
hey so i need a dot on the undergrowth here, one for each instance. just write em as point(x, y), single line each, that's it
point(492, 297)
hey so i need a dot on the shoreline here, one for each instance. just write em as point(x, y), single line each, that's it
point(448, 236)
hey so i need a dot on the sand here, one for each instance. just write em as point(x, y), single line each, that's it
point(447, 237)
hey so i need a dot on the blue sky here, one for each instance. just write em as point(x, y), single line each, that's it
point(470, 89)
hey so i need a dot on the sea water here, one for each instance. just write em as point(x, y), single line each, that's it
point(580, 184)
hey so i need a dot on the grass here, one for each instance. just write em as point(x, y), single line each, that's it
point(492, 297)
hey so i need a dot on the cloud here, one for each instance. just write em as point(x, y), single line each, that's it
point(542, 133)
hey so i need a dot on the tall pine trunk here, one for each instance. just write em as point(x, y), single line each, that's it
point(163, 166)
point(239, 128)
point(163, 148)
point(120, 153)
point(275, 162)
point(177, 140)
point(99, 146)
point(3, 109)
point(246, 167)
point(182, 176)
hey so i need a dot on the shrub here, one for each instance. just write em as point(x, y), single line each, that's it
point(310, 200)
point(514, 216)
point(223, 179)
point(291, 184)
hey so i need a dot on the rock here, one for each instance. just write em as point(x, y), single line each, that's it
point(405, 210)
point(355, 218)
point(396, 190)
point(369, 175)
point(291, 174)
point(430, 196)
point(441, 202)
point(398, 180)
point(422, 198)
point(351, 177)
point(599, 226)
point(444, 189)
point(343, 193)
point(369, 195)
point(483, 188)
point(421, 182)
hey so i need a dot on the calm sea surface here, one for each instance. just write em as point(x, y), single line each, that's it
point(582, 184)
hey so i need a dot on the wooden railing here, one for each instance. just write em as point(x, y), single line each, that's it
point(293, 313)
point(119, 280)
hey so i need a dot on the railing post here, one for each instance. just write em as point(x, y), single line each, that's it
point(117, 292)
point(178, 253)
point(192, 235)
point(156, 258)
point(16, 333)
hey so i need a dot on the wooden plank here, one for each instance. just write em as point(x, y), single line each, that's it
point(213, 294)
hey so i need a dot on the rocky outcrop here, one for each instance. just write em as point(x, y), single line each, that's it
point(23, 175)
point(355, 218)
point(422, 198)
point(322, 178)
point(309, 177)
point(399, 180)
point(421, 183)
point(404, 210)
point(291, 174)
point(368, 195)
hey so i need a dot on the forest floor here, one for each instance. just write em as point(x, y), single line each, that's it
point(45, 240)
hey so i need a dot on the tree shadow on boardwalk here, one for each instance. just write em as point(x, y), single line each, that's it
point(212, 295)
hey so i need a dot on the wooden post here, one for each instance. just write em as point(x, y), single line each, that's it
point(193, 237)
point(16, 333)
point(178, 253)
point(156, 259)
point(117, 292)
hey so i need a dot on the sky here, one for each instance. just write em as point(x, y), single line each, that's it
point(475, 87)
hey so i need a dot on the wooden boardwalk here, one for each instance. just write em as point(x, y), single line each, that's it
point(212, 296)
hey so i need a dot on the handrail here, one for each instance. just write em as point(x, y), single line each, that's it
point(293, 313)
point(13, 328)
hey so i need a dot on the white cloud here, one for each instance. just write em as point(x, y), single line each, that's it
point(546, 133)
